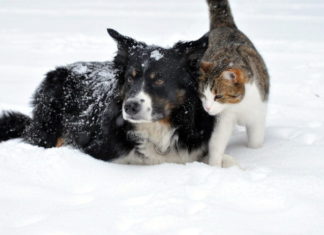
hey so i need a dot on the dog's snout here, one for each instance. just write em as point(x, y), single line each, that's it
point(138, 108)
point(132, 107)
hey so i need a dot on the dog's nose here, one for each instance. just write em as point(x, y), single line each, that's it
point(132, 107)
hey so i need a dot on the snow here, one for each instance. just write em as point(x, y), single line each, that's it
point(63, 191)
point(156, 55)
point(80, 69)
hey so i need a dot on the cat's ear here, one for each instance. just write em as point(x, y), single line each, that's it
point(124, 44)
point(206, 66)
point(230, 75)
point(234, 75)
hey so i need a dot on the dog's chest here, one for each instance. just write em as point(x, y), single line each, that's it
point(158, 134)
point(157, 143)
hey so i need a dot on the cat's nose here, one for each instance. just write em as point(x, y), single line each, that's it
point(207, 108)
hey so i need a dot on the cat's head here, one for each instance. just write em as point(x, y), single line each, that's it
point(220, 88)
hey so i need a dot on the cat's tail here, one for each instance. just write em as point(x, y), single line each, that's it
point(220, 14)
point(12, 125)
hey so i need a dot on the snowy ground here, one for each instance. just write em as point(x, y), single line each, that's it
point(64, 192)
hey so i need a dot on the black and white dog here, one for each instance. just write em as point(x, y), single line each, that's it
point(142, 108)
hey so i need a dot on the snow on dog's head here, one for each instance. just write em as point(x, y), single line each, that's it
point(156, 54)
point(155, 80)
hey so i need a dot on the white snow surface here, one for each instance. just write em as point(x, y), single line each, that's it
point(62, 191)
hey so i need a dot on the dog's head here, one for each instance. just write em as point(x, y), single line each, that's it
point(155, 81)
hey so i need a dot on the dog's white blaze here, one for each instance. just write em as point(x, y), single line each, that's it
point(145, 114)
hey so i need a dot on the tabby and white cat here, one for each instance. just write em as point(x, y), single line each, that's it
point(234, 82)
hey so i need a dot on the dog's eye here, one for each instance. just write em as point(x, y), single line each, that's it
point(159, 82)
point(218, 97)
point(130, 79)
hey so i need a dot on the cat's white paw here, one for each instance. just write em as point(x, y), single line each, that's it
point(229, 161)
point(216, 160)
point(255, 144)
point(224, 161)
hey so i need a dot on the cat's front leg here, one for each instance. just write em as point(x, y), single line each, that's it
point(219, 139)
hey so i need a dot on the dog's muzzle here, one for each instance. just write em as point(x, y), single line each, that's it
point(132, 107)
point(138, 109)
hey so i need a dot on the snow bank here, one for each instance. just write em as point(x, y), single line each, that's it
point(61, 191)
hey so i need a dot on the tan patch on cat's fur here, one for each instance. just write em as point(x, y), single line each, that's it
point(230, 86)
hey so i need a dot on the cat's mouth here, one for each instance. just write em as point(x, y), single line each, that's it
point(213, 109)
point(207, 109)
point(210, 110)
point(213, 113)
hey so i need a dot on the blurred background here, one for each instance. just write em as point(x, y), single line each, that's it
point(37, 35)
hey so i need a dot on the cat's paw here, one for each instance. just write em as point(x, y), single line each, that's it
point(224, 161)
point(229, 161)
point(216, 160)
point(255, 144)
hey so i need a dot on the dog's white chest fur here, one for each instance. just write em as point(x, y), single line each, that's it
point(160, 135)
point(158, 144)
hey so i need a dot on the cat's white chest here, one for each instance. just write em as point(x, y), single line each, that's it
point(250, 108)
point(250, 112)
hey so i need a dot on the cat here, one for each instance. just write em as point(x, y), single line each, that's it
point(233, 82)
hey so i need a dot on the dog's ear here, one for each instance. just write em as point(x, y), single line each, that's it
point(192, 51)
point(125, 44)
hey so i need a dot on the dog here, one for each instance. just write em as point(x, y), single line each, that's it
point(141, 108)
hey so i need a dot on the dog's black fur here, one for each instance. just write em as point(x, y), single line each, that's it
point(82, 102)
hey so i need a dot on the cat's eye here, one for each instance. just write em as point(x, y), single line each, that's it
point(218, 97)
point(159, 82)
